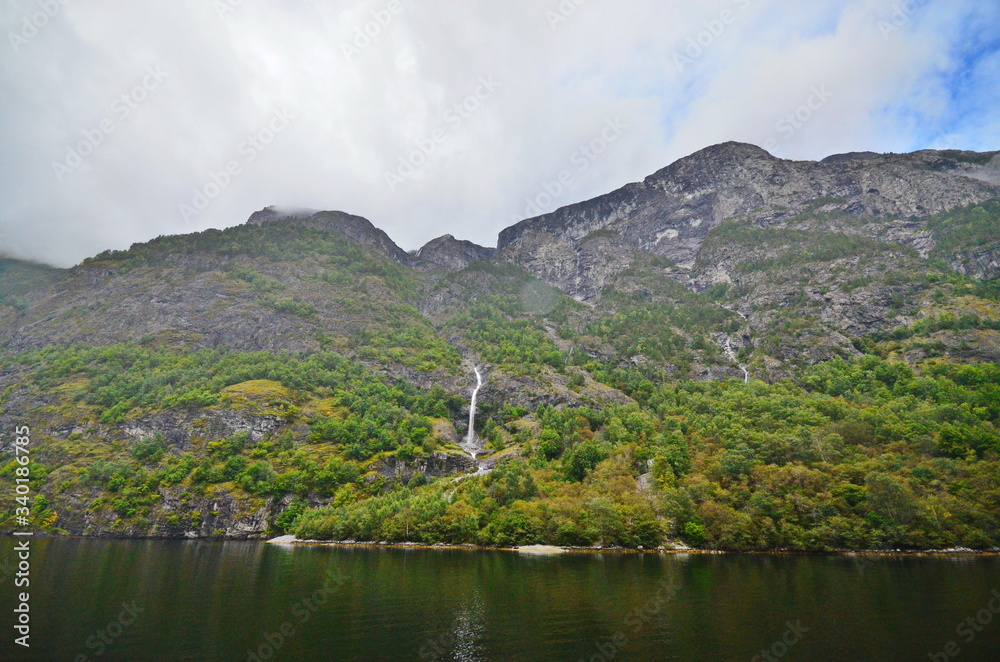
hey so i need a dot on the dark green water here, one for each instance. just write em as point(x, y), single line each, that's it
point(213, 601)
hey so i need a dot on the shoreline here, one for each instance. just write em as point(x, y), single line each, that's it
point(955, 552)
point(669, 551)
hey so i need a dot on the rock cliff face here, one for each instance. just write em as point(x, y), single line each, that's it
point(431, 466)
point(181, 428)
point(983, 264)
point(452, 254)
point(672, 212)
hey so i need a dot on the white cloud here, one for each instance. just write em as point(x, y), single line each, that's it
point(357, 115)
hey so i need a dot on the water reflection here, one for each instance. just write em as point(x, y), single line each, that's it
point(221, 601)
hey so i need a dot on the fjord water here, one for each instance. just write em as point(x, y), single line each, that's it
point(214, 601)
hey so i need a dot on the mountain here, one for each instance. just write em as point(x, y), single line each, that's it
point(673, 212)
point(836, 248)
point(22, 282)
point(740, 352)
point(452, 254)
point(359, 230)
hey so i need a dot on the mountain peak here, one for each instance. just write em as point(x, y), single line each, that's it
point(715, 158)
point(274, 213)
point(734, 148)
point(452, 254)
point(850, 156)
point(357, 228)
point(671, 212)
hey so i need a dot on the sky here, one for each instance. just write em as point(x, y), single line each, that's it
point(121, 120)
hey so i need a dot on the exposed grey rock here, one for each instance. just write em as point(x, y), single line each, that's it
point(849, 156)
point(983, 264)
point(431, 466)
point(451, 254)
point(179, 426)
point(671, 212)
point(581, 269)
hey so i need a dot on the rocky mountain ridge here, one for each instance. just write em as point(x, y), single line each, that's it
point(730, 215)
point(215, 384)
point(672, 212)
point(452, 254)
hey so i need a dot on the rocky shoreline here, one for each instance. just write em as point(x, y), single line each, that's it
point(675, 548)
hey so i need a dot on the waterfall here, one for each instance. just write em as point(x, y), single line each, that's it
point(731, 355)
point(469, 446)
point(470, 440)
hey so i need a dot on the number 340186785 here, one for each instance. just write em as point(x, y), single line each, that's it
point(22, 444)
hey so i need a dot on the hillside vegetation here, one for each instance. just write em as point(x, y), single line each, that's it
point(815, 378)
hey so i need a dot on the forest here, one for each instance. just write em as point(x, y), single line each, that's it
point(861, 454)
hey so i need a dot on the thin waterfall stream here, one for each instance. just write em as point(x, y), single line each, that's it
point(731, 355)
point(470, 440)
point(470, 445)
